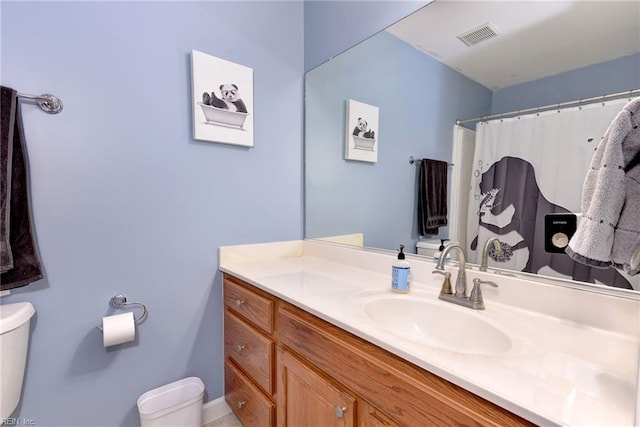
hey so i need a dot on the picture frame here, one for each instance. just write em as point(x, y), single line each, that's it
point(361, 132)
point(222, 100)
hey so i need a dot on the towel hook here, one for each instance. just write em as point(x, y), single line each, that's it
point(120, 301)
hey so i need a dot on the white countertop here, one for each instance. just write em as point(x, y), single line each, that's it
point(574, 354)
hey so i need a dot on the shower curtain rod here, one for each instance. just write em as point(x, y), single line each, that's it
point(550, 106)
point(47, 102)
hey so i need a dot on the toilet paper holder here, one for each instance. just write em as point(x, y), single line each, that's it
point(120, 301)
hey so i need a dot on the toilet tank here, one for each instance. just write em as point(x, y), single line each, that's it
point(427, 247)
point(14, 342)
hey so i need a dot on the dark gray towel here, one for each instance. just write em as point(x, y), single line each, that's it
point(19, 255)
point(432, 196)
point(7, 119)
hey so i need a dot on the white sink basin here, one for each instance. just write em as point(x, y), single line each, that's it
point(437, 324)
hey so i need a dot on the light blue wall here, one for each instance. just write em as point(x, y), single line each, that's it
point(614, 76)
point(419, 100)
point(126, 201)
point(331, 27)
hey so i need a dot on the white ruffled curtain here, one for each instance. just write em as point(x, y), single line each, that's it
point(525, 167)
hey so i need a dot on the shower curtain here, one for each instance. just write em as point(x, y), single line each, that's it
point(529, 166)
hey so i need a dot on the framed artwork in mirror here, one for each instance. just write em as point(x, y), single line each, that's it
point(222, 100)
point(361, 132)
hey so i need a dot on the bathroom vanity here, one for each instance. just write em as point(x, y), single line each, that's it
point(314, 336)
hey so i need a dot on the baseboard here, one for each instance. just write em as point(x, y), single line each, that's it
point(214, 409)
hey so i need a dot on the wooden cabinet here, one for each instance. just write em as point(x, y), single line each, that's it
point(248, 302)
point(249, 404)
point(304, 371)
point(309, 399)
point(370, 416)
point(249, 350)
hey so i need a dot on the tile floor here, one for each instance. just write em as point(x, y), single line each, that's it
point(228, 420)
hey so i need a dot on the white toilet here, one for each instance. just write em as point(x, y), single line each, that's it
point(14, 341)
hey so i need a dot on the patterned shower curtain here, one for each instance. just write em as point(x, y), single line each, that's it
point(529, 166)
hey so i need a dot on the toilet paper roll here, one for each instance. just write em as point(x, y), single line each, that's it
point(118, 329)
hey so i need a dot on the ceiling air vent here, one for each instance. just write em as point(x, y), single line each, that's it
point(477, 35)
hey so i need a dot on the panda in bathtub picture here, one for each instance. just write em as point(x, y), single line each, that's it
point(362, 129)
point(229, 98)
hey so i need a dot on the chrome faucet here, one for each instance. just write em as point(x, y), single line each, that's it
point(485, 251)
point(461, 281)
point(460, 297)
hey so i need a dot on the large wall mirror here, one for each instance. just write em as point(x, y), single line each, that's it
point(452, 61)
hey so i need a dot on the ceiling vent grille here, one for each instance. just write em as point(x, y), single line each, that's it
point(478, 35)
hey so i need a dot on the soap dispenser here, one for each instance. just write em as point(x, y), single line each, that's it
point(401, 274)
point(436, 255)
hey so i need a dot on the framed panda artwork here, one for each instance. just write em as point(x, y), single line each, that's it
point(361, 132)
point(222, 100)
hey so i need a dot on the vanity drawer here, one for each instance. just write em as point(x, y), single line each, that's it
point(245, 400)
point(252, 351)
point(248, 303)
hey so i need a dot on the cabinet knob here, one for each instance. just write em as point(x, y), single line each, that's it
point(340, 410)
point(240, 347)
point(239, 302)
point(241, 403)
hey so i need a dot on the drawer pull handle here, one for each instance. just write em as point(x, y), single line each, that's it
point(240, 347)
point(239, 302)
point(241, 403)
point(340, 410)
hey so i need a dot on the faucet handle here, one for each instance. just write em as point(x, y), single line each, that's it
point(478, 282)
point(446, 285)
point(476, 293)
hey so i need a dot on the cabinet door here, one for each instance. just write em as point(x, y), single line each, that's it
point(307, 399)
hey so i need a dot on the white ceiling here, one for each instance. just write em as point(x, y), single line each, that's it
point(538, 38)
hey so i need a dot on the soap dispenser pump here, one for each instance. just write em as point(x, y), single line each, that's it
point(401, 274)
point(437, 255)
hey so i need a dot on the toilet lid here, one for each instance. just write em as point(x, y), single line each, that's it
point(15, 315)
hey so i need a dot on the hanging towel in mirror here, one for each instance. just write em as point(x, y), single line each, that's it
point(20, 261)
point(432, 196)
point(609, 230)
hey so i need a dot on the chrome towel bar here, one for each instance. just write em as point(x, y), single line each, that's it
point(47, 102)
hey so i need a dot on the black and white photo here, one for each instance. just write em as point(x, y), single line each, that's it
point(222, 100)
point(361, 139)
